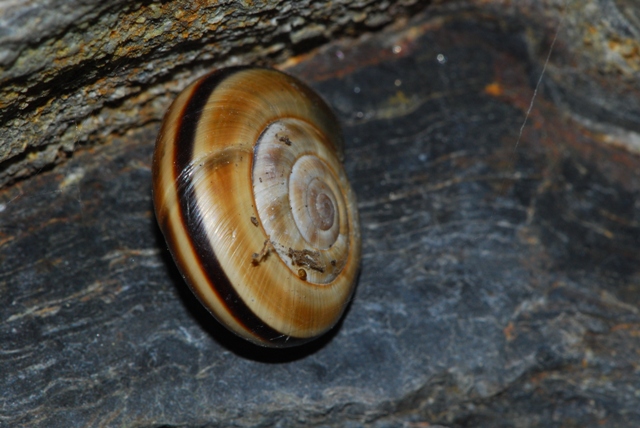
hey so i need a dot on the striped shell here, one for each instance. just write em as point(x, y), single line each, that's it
point(253, 201)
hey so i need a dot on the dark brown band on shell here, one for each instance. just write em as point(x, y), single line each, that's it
point(192, 218)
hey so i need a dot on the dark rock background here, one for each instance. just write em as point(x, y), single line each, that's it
point(500, 282)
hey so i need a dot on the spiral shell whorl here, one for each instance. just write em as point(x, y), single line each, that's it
point(299, 199)
point(272, 269)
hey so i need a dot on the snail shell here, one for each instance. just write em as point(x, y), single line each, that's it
point(253, 201)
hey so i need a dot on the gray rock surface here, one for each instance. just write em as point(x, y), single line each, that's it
point(500, 283)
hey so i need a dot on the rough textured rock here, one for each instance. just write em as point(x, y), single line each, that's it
point(500, 283)
point(76, 71)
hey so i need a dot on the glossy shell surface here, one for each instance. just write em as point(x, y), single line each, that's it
point(253, 201)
